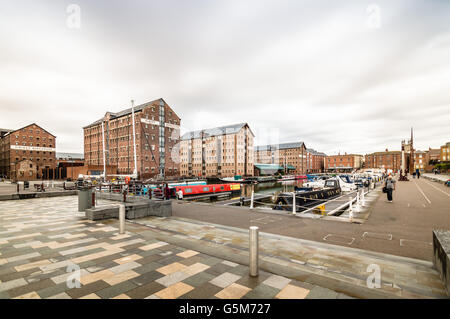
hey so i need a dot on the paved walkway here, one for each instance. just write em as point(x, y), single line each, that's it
point(402, 228)
point(41, 238)
point(440, 177)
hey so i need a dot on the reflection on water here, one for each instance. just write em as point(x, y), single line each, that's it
point(268, 188)
point(271, 187)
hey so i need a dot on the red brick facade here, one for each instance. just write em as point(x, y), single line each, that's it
point(315, 161)
point(387, 160)
point(343, 163)
point(28, 154)
point(157, 137)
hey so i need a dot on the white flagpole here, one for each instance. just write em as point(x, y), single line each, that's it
point(134, 140)
point(104, 152)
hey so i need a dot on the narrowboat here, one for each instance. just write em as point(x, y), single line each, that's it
point(305, 198)
point(198, 190)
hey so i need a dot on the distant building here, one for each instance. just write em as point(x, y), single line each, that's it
point(315, 161)
point(67, 163)
point(28, 153)
point(224, 151)
point(445, 152)
point(420, 160)
point(343, 163)
point(384, 160)
point(267, 169)
point(157, 133)
point(291, 156)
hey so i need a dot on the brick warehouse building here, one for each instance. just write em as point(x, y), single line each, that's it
point(387, 160)
point(292, 156)
point(343, 163)
point(224, 151)
point(28, 153)
point(157, 134)
point(315, 161)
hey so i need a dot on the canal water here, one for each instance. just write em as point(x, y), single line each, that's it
point(266, 188)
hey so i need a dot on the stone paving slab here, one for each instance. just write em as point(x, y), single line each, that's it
point(38, 262)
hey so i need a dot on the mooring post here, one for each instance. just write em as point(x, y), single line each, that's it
point(363, 201)
point(121, 219)
point(252, 199)
point(294, 205)
point(350, 211)
point(254, 250)
point(358, 202)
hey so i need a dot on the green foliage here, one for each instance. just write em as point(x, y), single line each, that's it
point(443, 166)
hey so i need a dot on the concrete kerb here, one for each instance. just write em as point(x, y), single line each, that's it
point(134, 210)
point(31, 195)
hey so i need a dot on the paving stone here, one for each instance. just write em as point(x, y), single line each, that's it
point(53, 290)
point(252, 282)
point(277, 282)
point(124, 267)
point(172, 278)
point(322, 293)
point(146, 277)
point(116, 290)
point(262, 291)
point(30, 287)
point(204, 291)
point(145, 290)
point(199, 279)
point(225, 279)
point(62, 295)
point(85, 290)
point(8, 285)
point(147, 267)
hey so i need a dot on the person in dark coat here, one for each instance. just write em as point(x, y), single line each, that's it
point(390, 187)
point(166, 192)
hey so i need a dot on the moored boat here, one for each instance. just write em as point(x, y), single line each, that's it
point(305, 198)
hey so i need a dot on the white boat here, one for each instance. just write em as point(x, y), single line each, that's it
point(345, 185)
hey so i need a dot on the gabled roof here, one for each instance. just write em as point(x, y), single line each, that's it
point(11, 132)
point(70, 155)
point(282, 146)
point(125, 112)
point(216, 131)
point(314, 152)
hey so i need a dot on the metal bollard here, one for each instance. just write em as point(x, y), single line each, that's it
point(93, 198)
point(358, 202)
point(254, 250)
point(251, 199)
point(350, 211)
point(294, 205)
point(121, 219)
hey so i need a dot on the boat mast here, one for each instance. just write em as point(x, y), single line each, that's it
point(134, 140)
point(104, 150)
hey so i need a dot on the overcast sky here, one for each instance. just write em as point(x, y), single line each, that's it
point(348, 76)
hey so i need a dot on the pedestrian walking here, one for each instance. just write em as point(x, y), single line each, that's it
point(418, 174)
point(180, 195)
point(390, 187)
point(167, 192)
